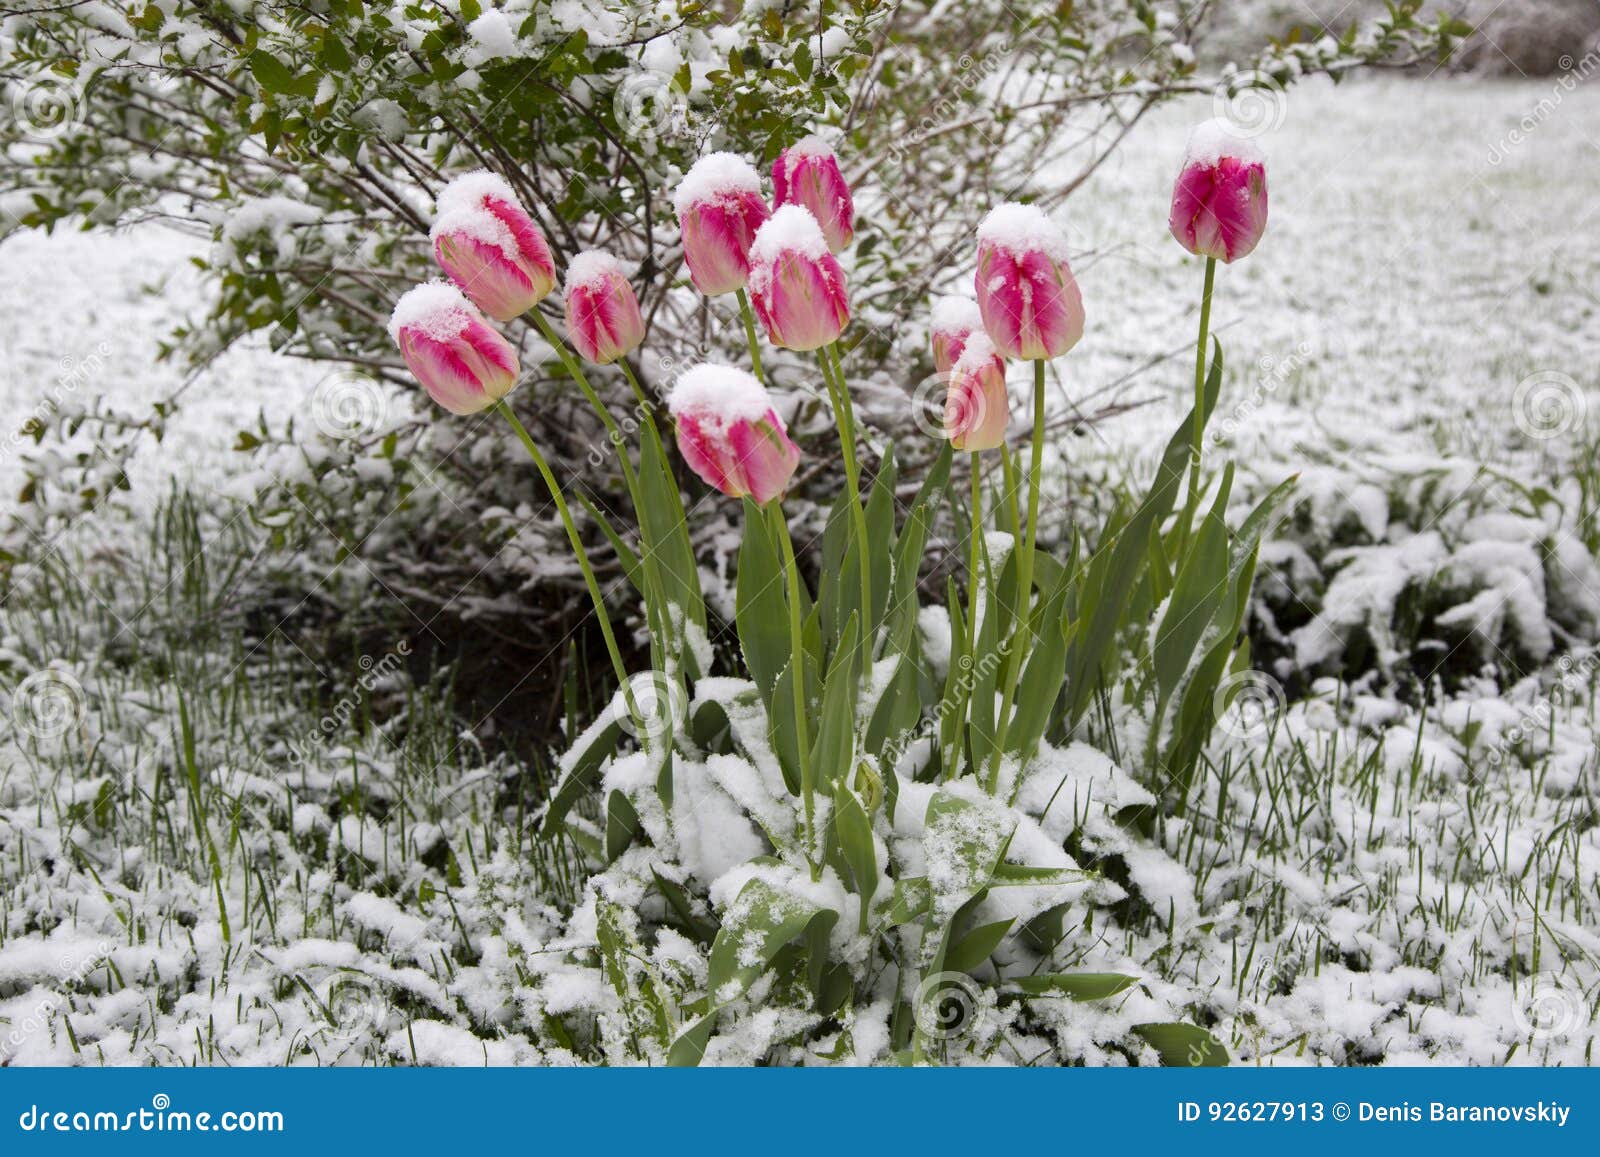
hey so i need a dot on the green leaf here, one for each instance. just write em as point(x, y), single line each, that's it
point(834, 753)
point(1073, 985)
point(759, 923)
point(1184, 1045)
point(963, 844)
point(856, 844)
point(911, 900)
point(761, 611)
point(622, 825)
point(276, 77)
point(580, 765)
point(665, 530)
point(972, 950)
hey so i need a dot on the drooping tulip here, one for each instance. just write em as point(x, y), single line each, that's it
point(807, 174)
point(1219, 202)
point(603, 319)
point(1030, 302)
point(719, 207)
point(954, 320)
point(977, 407)
point(490, 247)
point(461, 360)
point(795, 283)
point(730, 435)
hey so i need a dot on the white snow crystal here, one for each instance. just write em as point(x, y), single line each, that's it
point(1018, 228)
point(729, 393)
point(714, 177)
point(1216, 138)
point(437, 308)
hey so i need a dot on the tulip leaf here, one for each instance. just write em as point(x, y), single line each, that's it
point(758, 924)
point(969, 953)
point(665, 531)
point(1073, 985)
point(760, 609)
point(579, 769)
point(1184, 1045)
point(857, 844)
point(834, 754)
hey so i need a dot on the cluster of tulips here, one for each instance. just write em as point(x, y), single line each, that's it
point(782, 264)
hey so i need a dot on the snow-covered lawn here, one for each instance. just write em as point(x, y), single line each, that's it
point(203, 867)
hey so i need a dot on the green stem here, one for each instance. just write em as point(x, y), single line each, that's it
point(1197, 432)
point(583, 557)
point(797, 681)
point(839, 395)
point(974, 565)
point(750, 334)
point(661, 626)
point(1022, 626)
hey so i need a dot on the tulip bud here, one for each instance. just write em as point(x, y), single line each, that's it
point(954, 320)
point(796, 285)
point(602, 312)
point(719, 208)
point(490, 247)
point(463, 361)
point(807, 174)
point(977, 407)
point(1219, 203)
point(1030, 302)
point(730, 435)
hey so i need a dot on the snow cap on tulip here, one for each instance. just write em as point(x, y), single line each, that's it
point(1029, 300)
point(602, 312)
point(461, 360)
point(730, 435)
point(490, 247)
point(795, 282)
point(720, 207)
point(977, 407)
point(1219, 202)
point(807, 174)
point(954, 319)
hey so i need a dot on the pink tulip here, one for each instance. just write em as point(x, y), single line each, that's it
point(954, 320)
point(977, 407)
point(463, 361)
point(730, 435)
point(795, 282)
point(602, 312)
point(807, 174)
point(1029, 300)
point(1219, 203)
point(490, 247)
point(719, 208)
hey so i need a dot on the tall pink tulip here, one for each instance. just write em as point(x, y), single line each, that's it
point(807, 174)
point(719, 207)
point(954, 320)
point(795, 283)
point(730, 435)
point(1027, 295)
point(1219, 202)
point(463, 361)
point(602, 312)
point(490, 247)
point(977, 407)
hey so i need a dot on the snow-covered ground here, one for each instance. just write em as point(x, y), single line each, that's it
point(1371, 879)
